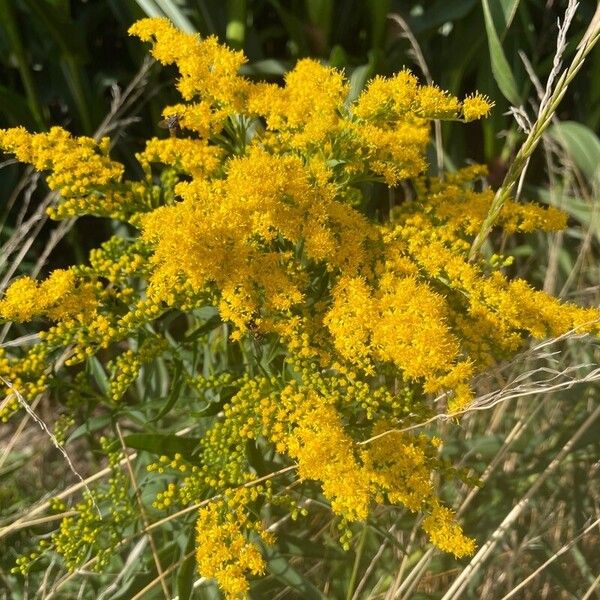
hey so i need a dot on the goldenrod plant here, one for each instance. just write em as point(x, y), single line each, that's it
point(304, 334)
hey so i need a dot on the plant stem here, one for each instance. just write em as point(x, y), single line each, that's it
point(359, 553)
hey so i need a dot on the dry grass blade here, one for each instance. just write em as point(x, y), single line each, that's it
point(540, 380)
point(556, 555)
point(595, 584)
point(457, 588)
point(145, 520)
point(55, 442)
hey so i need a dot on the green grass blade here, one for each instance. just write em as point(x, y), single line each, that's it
point(7, 18)
point(500, 67)
point(73, 52)
point(176, 15)
point(167, 8)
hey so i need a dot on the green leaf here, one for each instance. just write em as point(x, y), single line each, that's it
point(295, 29)
point(320, 13)
point(281, 569)
point(15, 107)
point(174, 394)
point(338, 57)
point(500, 67)
point(581, 210)
point(167, 8)
point(485, 445)
point(237, 17)
point(9, 26)
point(98, 374)
point(503, 13)
point(185, 574)
point(212, 323)
point(269, 67)
point(61, 28)
point(359, 77)
point(158, 444)
point(90, 426)
point(290, 545)
point(378, 12)
point(582, 145)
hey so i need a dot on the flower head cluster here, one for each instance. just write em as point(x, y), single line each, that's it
point(224, 551)
point(338, 329)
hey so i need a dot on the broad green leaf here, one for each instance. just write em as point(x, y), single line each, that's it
point(582, 145)
point(320, 13)
point(485, 445)
point(577, 208)
point(212, 323)
point(158, 444)
point(61, 28)
point(290, 545)
point(269, 67)
point(338, 57)
point(500, 67)
point(359, 77)
point(378, 11)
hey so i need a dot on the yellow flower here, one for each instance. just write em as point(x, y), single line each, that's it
point(434, 103)
point(207, 68)
point(445, 533)
point(77, 165)
point(475, 107)
point(57, 298)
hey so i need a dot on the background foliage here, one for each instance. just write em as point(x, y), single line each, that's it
point(67, 62)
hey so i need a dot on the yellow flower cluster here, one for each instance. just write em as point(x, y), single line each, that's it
point(257, 209)
point(446, 534)
point(88, 529)
point(207, 69)
point(307, 110)
point(224, 552)
point(126, 367)
point(26, 375)
point(78, 165)
point(61, 296)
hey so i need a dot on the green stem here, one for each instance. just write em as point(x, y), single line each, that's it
point(359, 553)
point(7, 17)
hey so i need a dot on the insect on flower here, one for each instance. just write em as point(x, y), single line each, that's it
point(171, 123)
